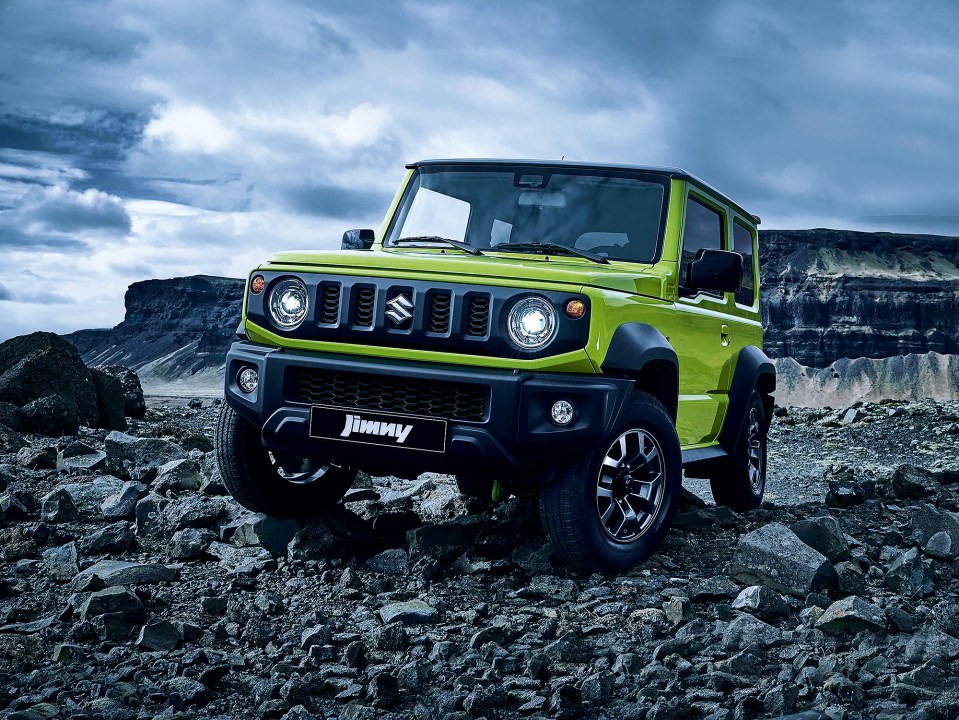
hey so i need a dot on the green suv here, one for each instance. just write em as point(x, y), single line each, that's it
point(578, 332)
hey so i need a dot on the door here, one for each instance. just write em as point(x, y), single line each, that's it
point(703, 336)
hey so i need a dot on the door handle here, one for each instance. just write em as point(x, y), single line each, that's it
point(724, 334)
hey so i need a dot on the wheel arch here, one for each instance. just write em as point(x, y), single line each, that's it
point(641, 352)
point(754, 371)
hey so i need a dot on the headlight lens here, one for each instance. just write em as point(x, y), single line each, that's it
point(289, 303)
point(532, 323)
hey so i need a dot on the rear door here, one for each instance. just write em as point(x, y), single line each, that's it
point(703, 335)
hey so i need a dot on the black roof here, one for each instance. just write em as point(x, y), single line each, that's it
point(673, 172)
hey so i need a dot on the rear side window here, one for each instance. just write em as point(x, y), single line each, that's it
point(703, 231)
point(743, 241)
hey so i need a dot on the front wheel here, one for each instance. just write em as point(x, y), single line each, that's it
point(610, 508)
point(283, 486)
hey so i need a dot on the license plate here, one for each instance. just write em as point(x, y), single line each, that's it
point(409, 432)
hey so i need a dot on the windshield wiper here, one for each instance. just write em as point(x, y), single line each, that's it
point(437, 239)
point(538, 247)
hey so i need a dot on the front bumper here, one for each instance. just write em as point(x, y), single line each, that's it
point(511, 432)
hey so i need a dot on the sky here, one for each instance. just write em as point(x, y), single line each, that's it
point(151, 139)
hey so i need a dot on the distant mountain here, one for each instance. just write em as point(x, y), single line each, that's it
point(175, 333)
point(851, 315)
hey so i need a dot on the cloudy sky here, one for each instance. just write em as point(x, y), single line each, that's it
point(143, 139)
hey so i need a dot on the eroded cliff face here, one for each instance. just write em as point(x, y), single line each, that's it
point(832, 294)
point(174, 331)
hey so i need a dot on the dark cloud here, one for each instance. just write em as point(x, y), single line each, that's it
point(327, 200)
point(54, 217)
point(5, 294)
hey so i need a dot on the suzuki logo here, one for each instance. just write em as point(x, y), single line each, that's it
point(399, 309)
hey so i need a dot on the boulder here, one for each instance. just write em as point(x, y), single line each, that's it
point(928, 520)
point(339, 533)
point(272, 534)
point(909, 575)
point(114, 538)
point(132, 457)
point(745, 630)
point(775, 557)
point(823, 533)
point(90, 494)
point(38, 458)
point(196, 511)
point(61, 562)
point(41, 365)
point(134, 405)
point(110, 400)
point(411, 612)
point(190, 543)
point(941, 547)
point(53, 416)
point(712, 589)
point(177, 475)
point(762, 602)
point(112, 573)
point(912, 483)
point(122, 505)
point(119, 600)
point(10, 440)
point(852, 615)
point(161, 636)
point(391, 562)
point(58, 507)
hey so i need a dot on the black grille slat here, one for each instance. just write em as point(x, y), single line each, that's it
point(477, 322)
point(330, 304)
point(364, 305)
point(440, 306)
point(450, 400)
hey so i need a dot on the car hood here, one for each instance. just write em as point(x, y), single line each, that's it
point(510, 268)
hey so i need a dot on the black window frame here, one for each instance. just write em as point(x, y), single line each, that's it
point(719, 209)
point(754, 260)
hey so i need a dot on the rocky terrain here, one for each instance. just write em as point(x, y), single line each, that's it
point(131, 586)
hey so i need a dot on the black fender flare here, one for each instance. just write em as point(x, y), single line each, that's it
point(753, 370)
point(637, 346)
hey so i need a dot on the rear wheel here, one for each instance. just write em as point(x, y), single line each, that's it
point(277, 484)
point(610, 508)
point(740, 482)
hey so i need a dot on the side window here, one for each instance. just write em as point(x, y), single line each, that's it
point(703, 231)
point(743, 241)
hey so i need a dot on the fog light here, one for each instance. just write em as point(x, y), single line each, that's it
point(562, 412)
point(247, 379)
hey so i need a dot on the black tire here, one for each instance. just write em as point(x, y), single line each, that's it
point(740, 482)
point(579, 518)
point(256, 478)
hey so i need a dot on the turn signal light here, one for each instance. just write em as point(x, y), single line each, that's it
point(257, 285)
point(575, 309)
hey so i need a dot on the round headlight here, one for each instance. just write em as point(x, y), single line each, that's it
point(289, 303)
point(532, 323)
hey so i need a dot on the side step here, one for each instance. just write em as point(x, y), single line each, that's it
point(700, 462)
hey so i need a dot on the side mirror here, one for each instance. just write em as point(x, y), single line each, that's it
point(718, 270)
point(357, 240)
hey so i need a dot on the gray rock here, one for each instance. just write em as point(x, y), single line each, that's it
point(132, 458)
point(318, 635)
point(161, 635)
point(61, 562)
point(272, 534)
point(823, 533)
point(113, 538)
point(149, 516)
point(182, 474)
point(197, 511)
point(850, 578)
point(114, 600)
point(190, 543)
point(411, 612)
point(53, 416)
point(391, 562)
point(93, 462)
point(190, 691)
point(58, 507)
point(134, 405)
point(110, 400)
point(927, 520)
point(241, 560)
point(338, 534)
point(89, 494)
point(940, 546)
point(711, 589)
point(38, 458)
point(13, 508)
point(392, 637)
point(930, 644)
point(912, 483)
point(909, 575)
point(122, 505)
point(852, 615)
point(745, 630)
point(10, 416)
point(113, 573)
point(774, 556)
point(762, 602)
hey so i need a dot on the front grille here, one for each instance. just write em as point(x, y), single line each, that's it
point(451, 400)
point(364, 303)
point(330, 304)
point(440, 305)
point(477, 324)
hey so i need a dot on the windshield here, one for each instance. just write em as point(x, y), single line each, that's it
point(610, 213)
